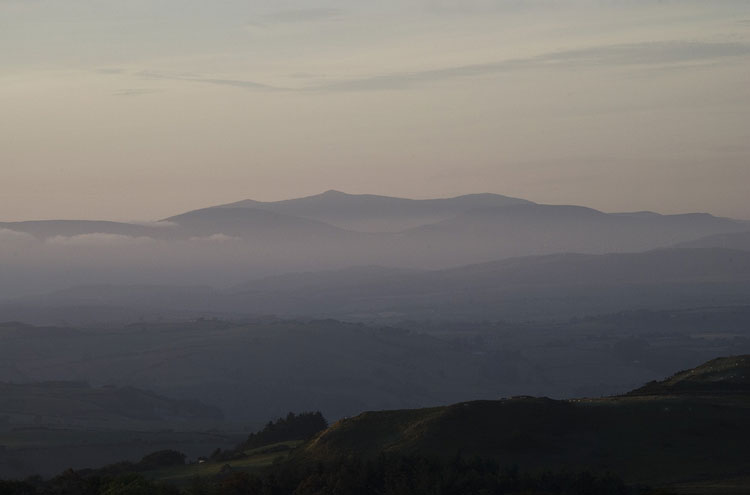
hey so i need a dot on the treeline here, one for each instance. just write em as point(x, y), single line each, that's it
point(412, 475)
point(293, 427)
point(386, 475)
point(122, 478)
point(77, 483)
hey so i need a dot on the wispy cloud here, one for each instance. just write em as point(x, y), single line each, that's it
point(135, 92)
point(210, 80)
point(8, 235)
point(661, 55)
point(99, 239)
point(215, 238)
point(650, 54)
point(297, 16)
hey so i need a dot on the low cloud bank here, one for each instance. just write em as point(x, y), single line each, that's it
point(99, 239)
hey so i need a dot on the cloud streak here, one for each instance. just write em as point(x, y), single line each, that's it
point(662, 54)
point(651, 53)
point(99, 239)
point(135, 92)
point(303, 15)
point(8, 235)
point(209, 80)
point(215, 238)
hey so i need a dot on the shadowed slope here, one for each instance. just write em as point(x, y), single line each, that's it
point(720, 376)
point(655, 438)
point(250, 222)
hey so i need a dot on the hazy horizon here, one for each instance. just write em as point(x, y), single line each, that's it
point(157, 218)
point(135, 111)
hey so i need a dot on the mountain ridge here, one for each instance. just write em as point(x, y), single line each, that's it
point(376, 213)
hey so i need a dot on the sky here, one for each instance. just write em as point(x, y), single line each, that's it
point(143, 109)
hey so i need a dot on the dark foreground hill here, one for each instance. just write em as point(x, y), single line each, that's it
point(686, 434)
point(664, 433)
point(718, 377)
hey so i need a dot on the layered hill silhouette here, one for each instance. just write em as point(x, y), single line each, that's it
point(540, 229)
point(526, 288)
point(561, 285)
point(440, 232)
point(76, 404)
point(474, 227)
point(735, 240)
point(230, 244)
point(256, 224)
point(258, 369)
point(372, 213)
point(497, 287)
point(690, 426)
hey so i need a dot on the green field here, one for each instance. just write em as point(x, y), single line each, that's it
point(254, 461)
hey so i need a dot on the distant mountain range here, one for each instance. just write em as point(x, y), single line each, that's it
point(371, 213)
point(228, 244)
point(409, 232)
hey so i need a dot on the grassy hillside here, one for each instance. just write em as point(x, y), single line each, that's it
point(655, 438)
point(254, 461)
point(722, 376)
point(687, 433)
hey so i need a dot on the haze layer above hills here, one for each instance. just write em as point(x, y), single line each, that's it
point(537, 288)
point(230, 244)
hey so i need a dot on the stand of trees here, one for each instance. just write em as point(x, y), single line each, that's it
point(386, 475)
point(400, 475)
point(77, 483)
point(293, 427)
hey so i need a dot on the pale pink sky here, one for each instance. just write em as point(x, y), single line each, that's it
point(140, 110)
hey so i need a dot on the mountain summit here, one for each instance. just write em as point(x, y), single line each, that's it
point(373, 213)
